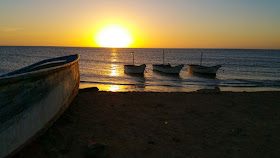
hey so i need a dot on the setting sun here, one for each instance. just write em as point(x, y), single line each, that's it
point(114, 36)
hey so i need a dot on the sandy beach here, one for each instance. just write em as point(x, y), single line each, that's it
point(165, 125)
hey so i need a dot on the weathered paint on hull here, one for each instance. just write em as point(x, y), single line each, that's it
point(28, 106)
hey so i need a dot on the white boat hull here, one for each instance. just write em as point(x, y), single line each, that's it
point(204, 69)
point(168, 69)
point(133, 69)
point(31, 101)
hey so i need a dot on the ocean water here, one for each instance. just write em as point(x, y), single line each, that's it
point(242, 70)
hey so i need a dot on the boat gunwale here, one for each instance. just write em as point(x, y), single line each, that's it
point(38, 73)
point(200, 66)
point(142, 65)
point(167, 66)
point(168, 69)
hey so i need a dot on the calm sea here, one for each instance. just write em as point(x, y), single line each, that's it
point(242, 70)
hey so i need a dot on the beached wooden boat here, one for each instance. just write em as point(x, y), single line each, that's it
point(32, 98)
point(204, 69)
point(134, 69)
point(167, 68)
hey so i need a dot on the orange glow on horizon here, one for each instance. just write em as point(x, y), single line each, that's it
point(141, 24)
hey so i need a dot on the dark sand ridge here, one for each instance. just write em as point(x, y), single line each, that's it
point(165, 125)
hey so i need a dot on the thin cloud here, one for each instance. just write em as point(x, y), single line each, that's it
point(10, 29)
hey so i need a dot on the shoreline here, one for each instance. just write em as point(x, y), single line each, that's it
point(128, 88)
point(164, 124)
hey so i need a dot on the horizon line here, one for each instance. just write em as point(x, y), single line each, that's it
point(137, 47)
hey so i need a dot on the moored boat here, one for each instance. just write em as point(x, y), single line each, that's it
point(207, 70)
point(134, 69)
point(167, 68)
point(32, 98)
point(204, 69)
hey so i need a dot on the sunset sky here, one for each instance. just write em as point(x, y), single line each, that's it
point(150, 23)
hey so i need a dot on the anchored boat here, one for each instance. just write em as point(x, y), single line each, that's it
point(134, 69)
point(204, 69)
point(32, 98)
point(167, 68)
point(207, 70)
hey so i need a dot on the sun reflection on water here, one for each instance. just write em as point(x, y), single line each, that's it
point(114, 88)
point(114, 55)
point(111, 88)
point(114, 71)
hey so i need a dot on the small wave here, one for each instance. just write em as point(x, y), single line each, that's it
point(250, 83)
point(129, 84)
point(111, 83)
point(261, 72)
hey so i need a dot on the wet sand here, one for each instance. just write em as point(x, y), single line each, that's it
point(165, 125)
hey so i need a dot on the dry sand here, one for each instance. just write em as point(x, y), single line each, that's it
point(164, 125)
